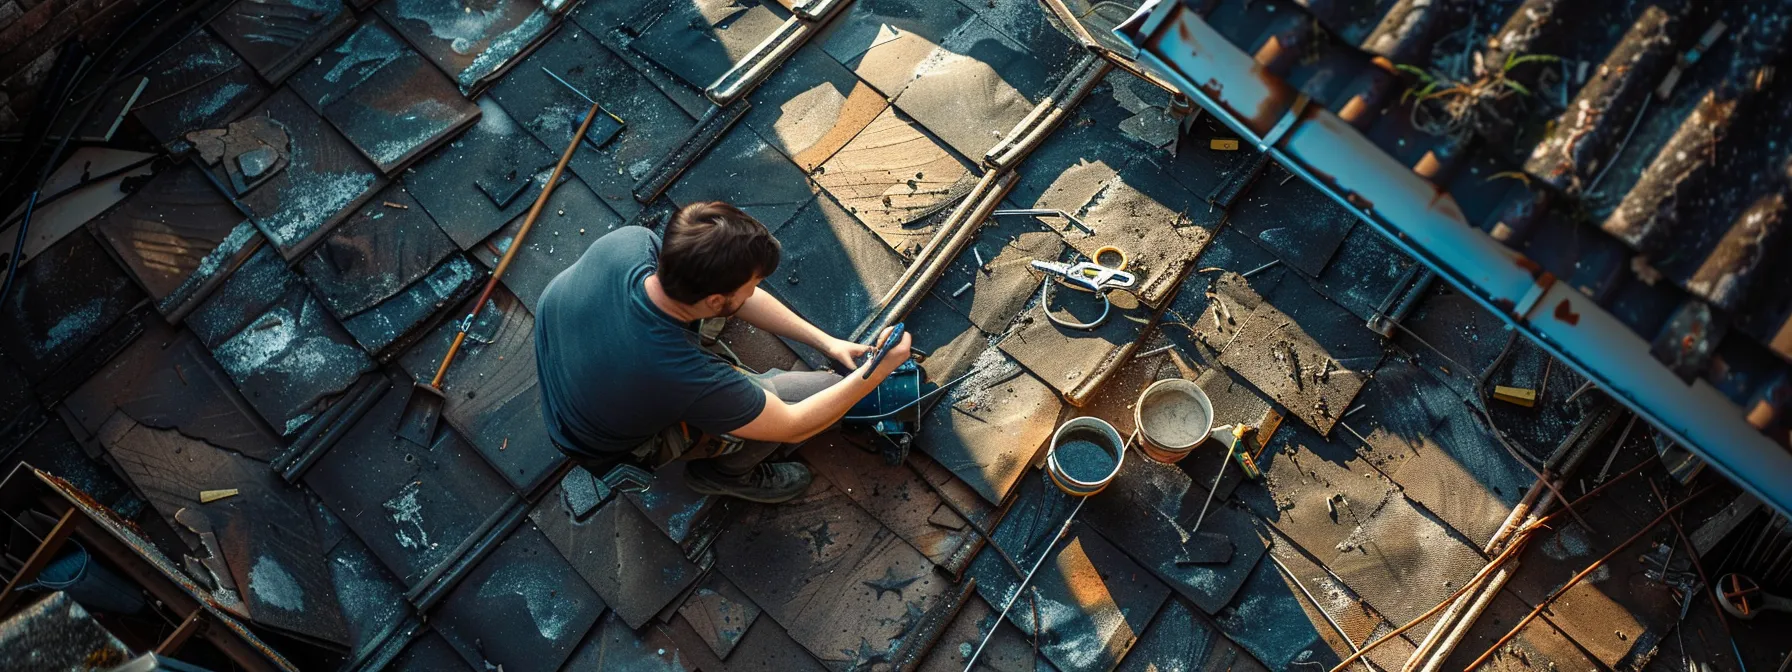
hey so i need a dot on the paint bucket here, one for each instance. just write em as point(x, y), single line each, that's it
point(1085, 455)
point(1172, 416)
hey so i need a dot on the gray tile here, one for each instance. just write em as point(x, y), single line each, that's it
point(278, 36)
point(524, 607)
point(573, 218)
point(885, 41)
point(1175, 641)
point(387, 255)
point(488, 176)
point(1268, 620)
point(811, 107)
point(653, 125)
point(384, 96)
point(273, 337)
point(742, 169)
point(491, 390)
point(1006, 282)
point(1304, 351)
point(720, 613)
point(974, 88)
point(473, 49)
point(177, 236)
point(613, 645)
point(63, 300)
point(1149, 510)
point(699, 40)
point(834, 269)
point(988, 430)
point(618, 551)
point(201, 84)
point(413, 506)
point(1093, 601)
point(1291, 219)
point(847, 589)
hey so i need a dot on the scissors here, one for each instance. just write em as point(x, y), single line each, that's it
point(1088, 276)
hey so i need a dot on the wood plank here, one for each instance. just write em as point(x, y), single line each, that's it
point(46, 550)
point(175, 640)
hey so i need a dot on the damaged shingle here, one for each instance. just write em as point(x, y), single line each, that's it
point(325, 180)
point(277, 341)
point(384, 97)
point(388, 271)
point(178, 237)
point(699, 40)
point(266, 532)
point(473, 44)
point(652, 123)
point(278, 36)
point(413, 506)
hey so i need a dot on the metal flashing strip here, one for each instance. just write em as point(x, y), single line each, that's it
point(1424, 221)
point(765, 58)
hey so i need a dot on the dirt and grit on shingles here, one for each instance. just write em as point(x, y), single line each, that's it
point(847, 588)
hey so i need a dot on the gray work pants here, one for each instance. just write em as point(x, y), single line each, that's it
point(736, 456)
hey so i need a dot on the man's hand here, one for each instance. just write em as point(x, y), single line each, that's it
point(847, 353)
point(898, 354)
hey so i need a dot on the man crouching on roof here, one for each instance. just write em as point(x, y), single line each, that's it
point(625, 377)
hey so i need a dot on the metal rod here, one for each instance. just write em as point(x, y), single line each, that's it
point(1693, 552)
point(1616, 448)
point(568, 85)
point(1316, 605)
point(1260, 269)
point(1046, 212)
point(1022, 588)
point(1576, 579)
point(1218, 474)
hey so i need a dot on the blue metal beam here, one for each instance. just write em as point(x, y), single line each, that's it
point(1423, 220)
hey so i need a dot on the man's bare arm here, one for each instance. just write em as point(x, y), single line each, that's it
point(792, 423)
point(766, 312)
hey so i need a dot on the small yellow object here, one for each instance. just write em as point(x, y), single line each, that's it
point(1515, 395)
point(209, 496)
point(1109, 253)
point(1223, 144)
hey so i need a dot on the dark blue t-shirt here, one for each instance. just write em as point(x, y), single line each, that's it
point(615, 369)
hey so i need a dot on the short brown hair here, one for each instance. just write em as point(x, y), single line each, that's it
point(714, 248)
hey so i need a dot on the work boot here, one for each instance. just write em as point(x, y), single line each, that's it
point(766, 482)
